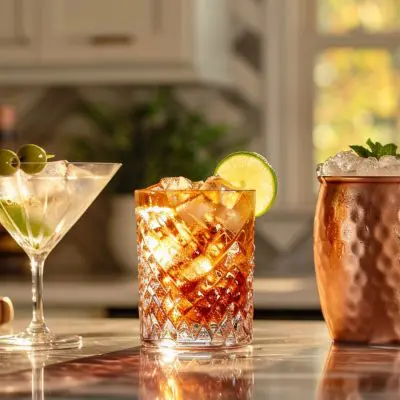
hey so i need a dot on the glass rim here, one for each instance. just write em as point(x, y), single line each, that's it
point(68, 162)
point(195, 191)
point(358, 178)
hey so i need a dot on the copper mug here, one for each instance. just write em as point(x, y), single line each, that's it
point(357, 257)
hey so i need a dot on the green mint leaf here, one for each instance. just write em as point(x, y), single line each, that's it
point(389, 150)
point(377, 150)
point(361, 151)
point(372, 146)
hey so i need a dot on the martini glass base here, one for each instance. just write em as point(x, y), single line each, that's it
point(39, 341)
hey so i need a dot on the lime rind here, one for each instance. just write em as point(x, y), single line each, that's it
point(13, 218)
point(250, 170)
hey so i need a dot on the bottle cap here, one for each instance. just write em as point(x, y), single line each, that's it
point(7, 117)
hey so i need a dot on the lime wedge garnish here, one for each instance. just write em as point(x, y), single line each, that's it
point(248, 170)
point(13, 219)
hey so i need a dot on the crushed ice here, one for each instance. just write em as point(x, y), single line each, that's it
point(347, 163)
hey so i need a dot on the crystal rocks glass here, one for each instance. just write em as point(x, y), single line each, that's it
point(196, 262)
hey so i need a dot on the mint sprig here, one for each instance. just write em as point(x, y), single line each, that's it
point(376, 150)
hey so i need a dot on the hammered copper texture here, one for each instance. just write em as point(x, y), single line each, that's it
point(357, 258)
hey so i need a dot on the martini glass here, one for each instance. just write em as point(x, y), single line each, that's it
point(38, 210)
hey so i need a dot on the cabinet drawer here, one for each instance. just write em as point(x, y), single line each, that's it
point(75, 20)
point(108, 30)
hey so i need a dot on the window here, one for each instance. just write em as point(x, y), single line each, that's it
point(357, 97)
point(356, 74)
point(344, 16)
point(332, 71)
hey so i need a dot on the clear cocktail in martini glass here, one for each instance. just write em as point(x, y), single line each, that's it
point(38, 209)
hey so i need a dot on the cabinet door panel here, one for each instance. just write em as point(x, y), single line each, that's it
point(108, 30)
point(18, 39)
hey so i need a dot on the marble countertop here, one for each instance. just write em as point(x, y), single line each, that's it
point(288, 360)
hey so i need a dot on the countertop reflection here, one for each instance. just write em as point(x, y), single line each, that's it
point(288, 360)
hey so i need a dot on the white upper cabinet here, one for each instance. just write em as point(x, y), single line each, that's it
point(18, 35)
point(111, 31)
point(121, 41)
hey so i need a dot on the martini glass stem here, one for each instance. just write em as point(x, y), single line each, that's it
point(38, 324)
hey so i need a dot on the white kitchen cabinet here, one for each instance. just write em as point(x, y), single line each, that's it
point(18, 35)
point(109, 31)
point(127, 41)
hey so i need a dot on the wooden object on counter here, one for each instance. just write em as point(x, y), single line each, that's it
point(6, 310)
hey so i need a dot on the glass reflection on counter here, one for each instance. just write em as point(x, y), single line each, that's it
point(356, 372)
point(172, 375)
point(25, 382)
point(137, 373)
point(38, 362)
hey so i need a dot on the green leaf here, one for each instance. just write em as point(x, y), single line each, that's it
point(122, 135)
point(361, 151)
point(211, 134)
point(389, 149)
point(97, 114)
point(377, 150)
point(372, 146)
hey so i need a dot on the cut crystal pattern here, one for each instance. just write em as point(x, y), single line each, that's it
point(196, 271)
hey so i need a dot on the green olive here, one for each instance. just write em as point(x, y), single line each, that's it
point(9, 162)
point(33, 158)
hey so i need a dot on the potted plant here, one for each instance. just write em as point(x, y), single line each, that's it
point(152, 139)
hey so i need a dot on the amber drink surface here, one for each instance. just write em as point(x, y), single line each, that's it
point(196, 261)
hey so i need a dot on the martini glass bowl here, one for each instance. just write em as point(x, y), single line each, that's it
point(38, 210)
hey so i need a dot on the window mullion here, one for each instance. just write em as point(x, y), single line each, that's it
point(288, 91)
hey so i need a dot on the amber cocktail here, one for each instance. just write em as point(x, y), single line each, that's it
point(196, 261)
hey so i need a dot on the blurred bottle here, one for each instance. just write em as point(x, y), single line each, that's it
point(13, 260)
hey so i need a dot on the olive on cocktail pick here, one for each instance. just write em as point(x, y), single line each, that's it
point(33, 158)
point(9, 162)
